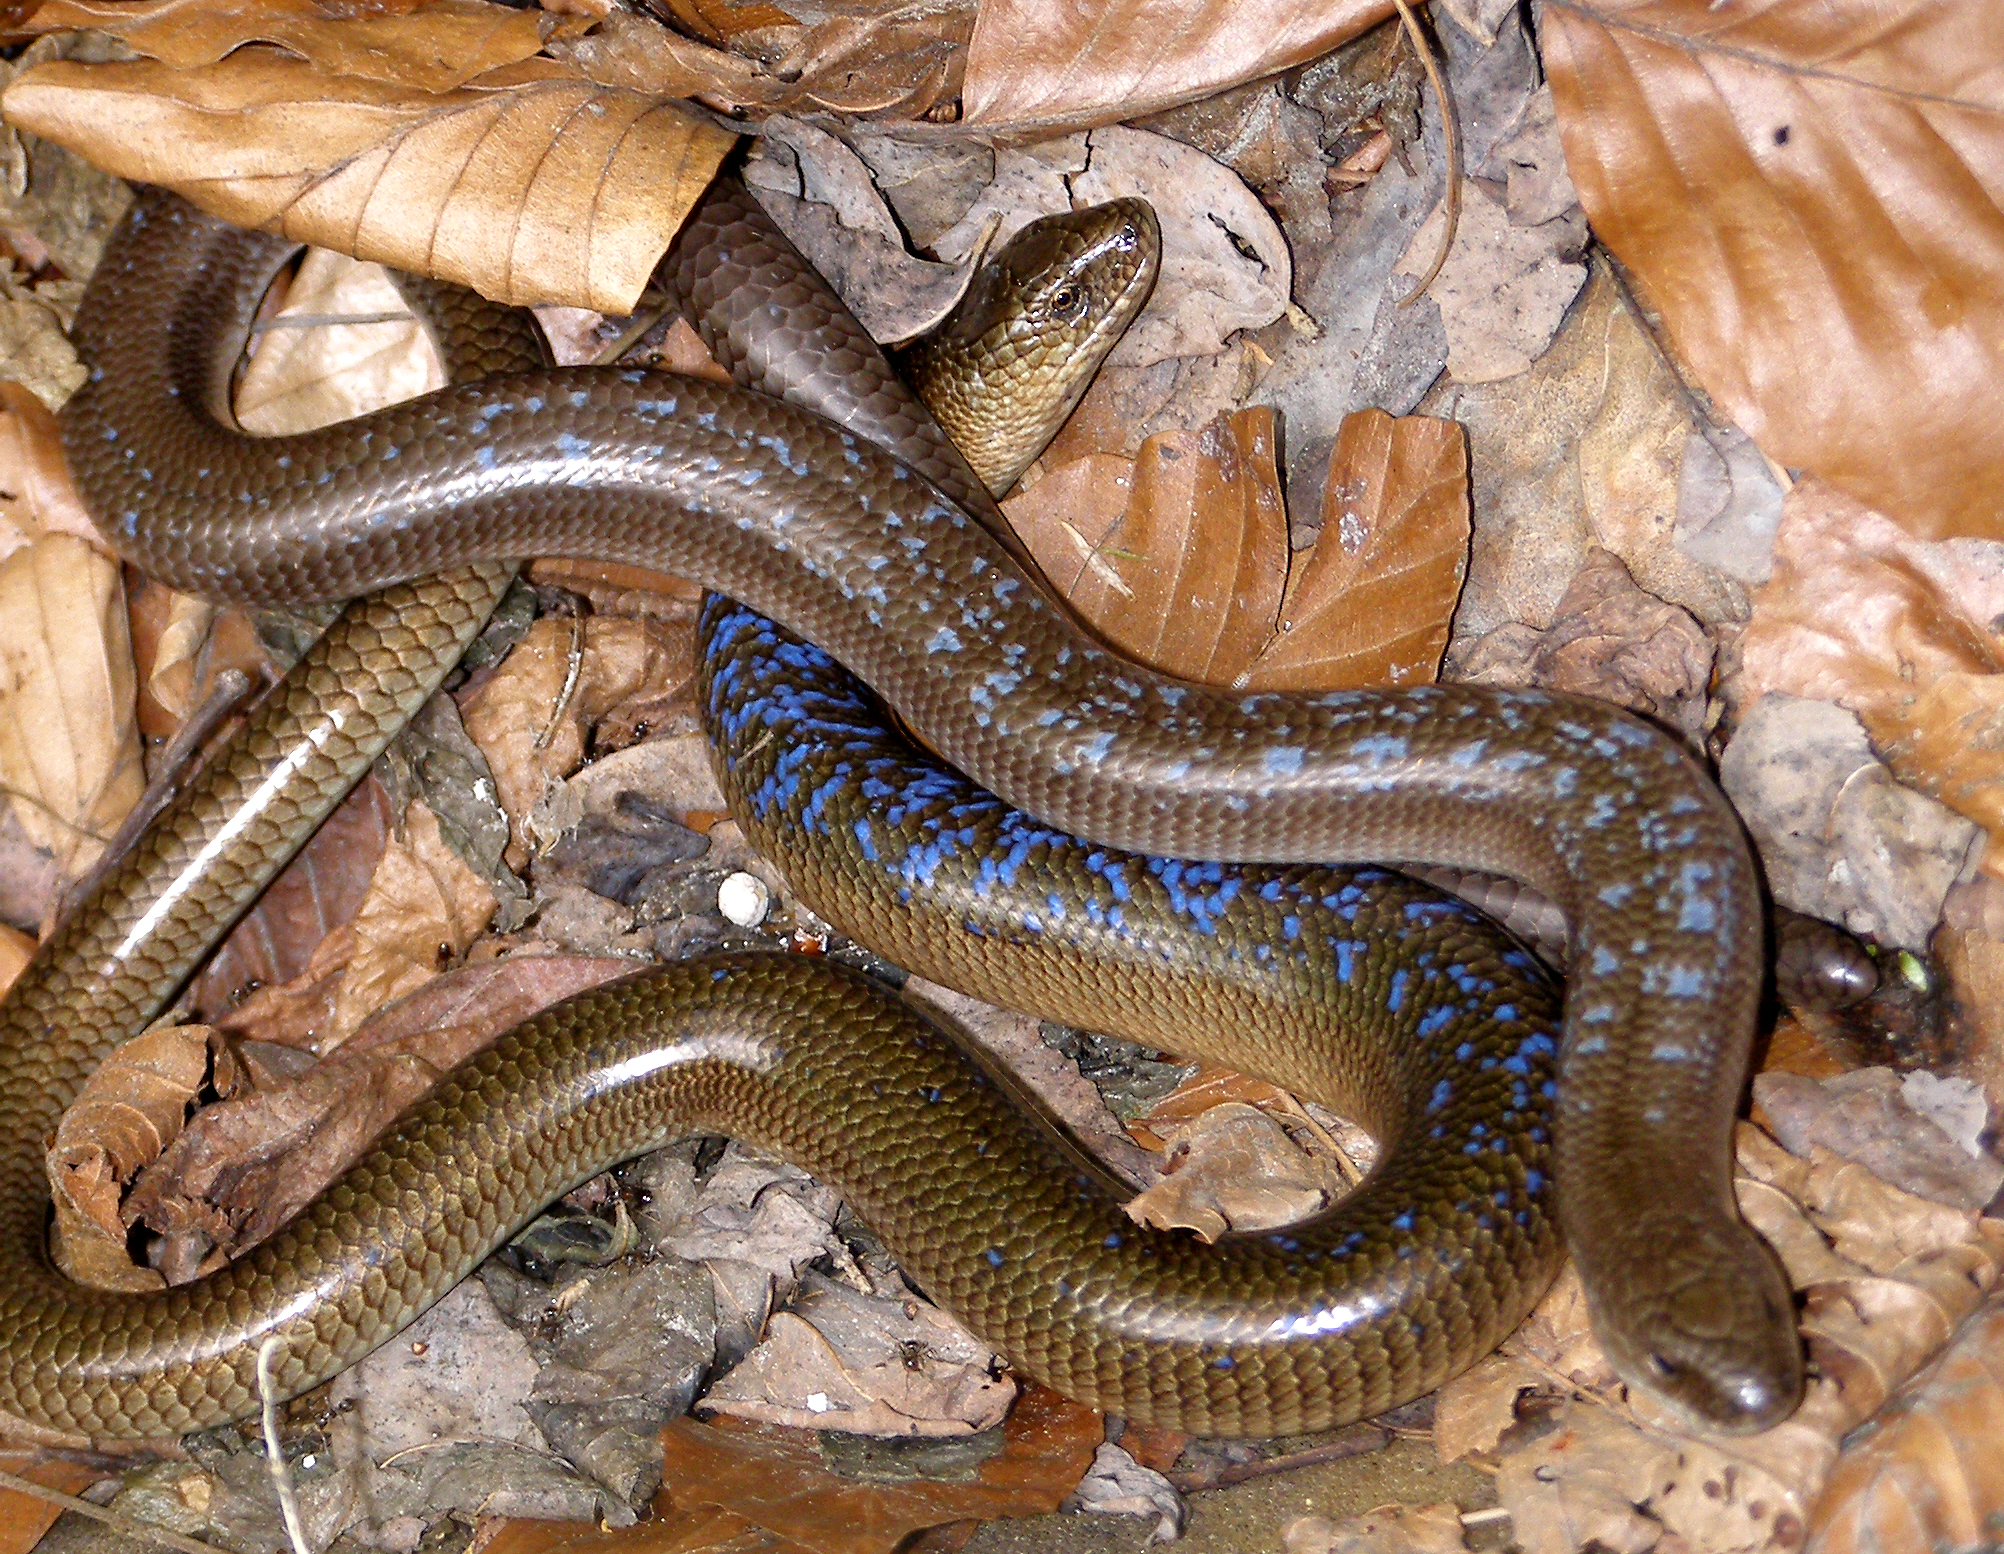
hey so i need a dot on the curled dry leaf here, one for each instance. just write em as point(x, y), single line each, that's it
point(532, 186)
point(69, 741)
point(1903, 633)
point(436, 46)
point(532, 716)
point(129, 1111)
point(16, 950)
point(1042, 62)
point(1810, 195)
point(1886, 1276)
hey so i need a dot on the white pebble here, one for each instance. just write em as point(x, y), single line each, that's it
point(744, 899)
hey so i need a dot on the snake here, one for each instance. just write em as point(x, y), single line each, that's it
point(1178, 865)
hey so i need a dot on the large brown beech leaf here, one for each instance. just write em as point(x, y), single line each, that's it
point(1051, 62)
point(531, 187)
point(1809, 192)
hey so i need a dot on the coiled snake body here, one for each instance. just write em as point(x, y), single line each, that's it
point(1415, 1275)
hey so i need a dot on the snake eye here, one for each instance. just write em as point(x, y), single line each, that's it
point(1065, 301)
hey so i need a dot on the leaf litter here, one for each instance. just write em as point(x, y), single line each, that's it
point(1579, 435)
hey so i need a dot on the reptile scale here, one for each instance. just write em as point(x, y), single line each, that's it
point(1220, 932)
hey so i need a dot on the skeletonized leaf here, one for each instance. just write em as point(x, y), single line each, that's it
point(1051, 62)
point(1810, 195)
point(532, 187)
point(441, 44)
point(1371, 603)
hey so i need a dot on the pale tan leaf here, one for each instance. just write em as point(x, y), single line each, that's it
point(1391, 1529)
point(1809, 193)
point(1370, 604)
point(1188, 577)
point(532, 186)
point(1048, 62)
point(36, 496)
point(344, 343)
point(69, 742)
point(1901, 632)
point(437, 46)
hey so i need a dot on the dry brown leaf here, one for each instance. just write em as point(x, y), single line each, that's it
point(1809, 193)
point(129, 1111)
point(422, 909)
point(1390, 1529)
point(69, 740)
point(1370, 604)
point(532, 186)
point(1903, 633)
point(1187, 575)
point(24, 1517)
point(439, 45)
point(532, 716)
point(36, 497)
point(1045, 62)
point(1928, 1472)
point(244, 1168)
point(319, 891)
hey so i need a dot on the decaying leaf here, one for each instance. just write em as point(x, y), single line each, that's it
point(319, 891)
point(532, 186)
point(1903, 633)
point(1886, 1277)
point(840, 1360)
point(69, 742)
point(344, 343)
point(16, 950)
point(565, 675)
point(1235, 1168)
point(780, 1480)
point(1810, 195)
point(25, 1517)
point(1391, 1529)
point(1044, 63)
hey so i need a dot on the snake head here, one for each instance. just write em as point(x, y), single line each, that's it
point(1704, 1321)
point(1034, 324)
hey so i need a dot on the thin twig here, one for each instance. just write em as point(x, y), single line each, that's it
point(1451, 124)
point(130, 1526)
point(571, 676)
point(274, 1449)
